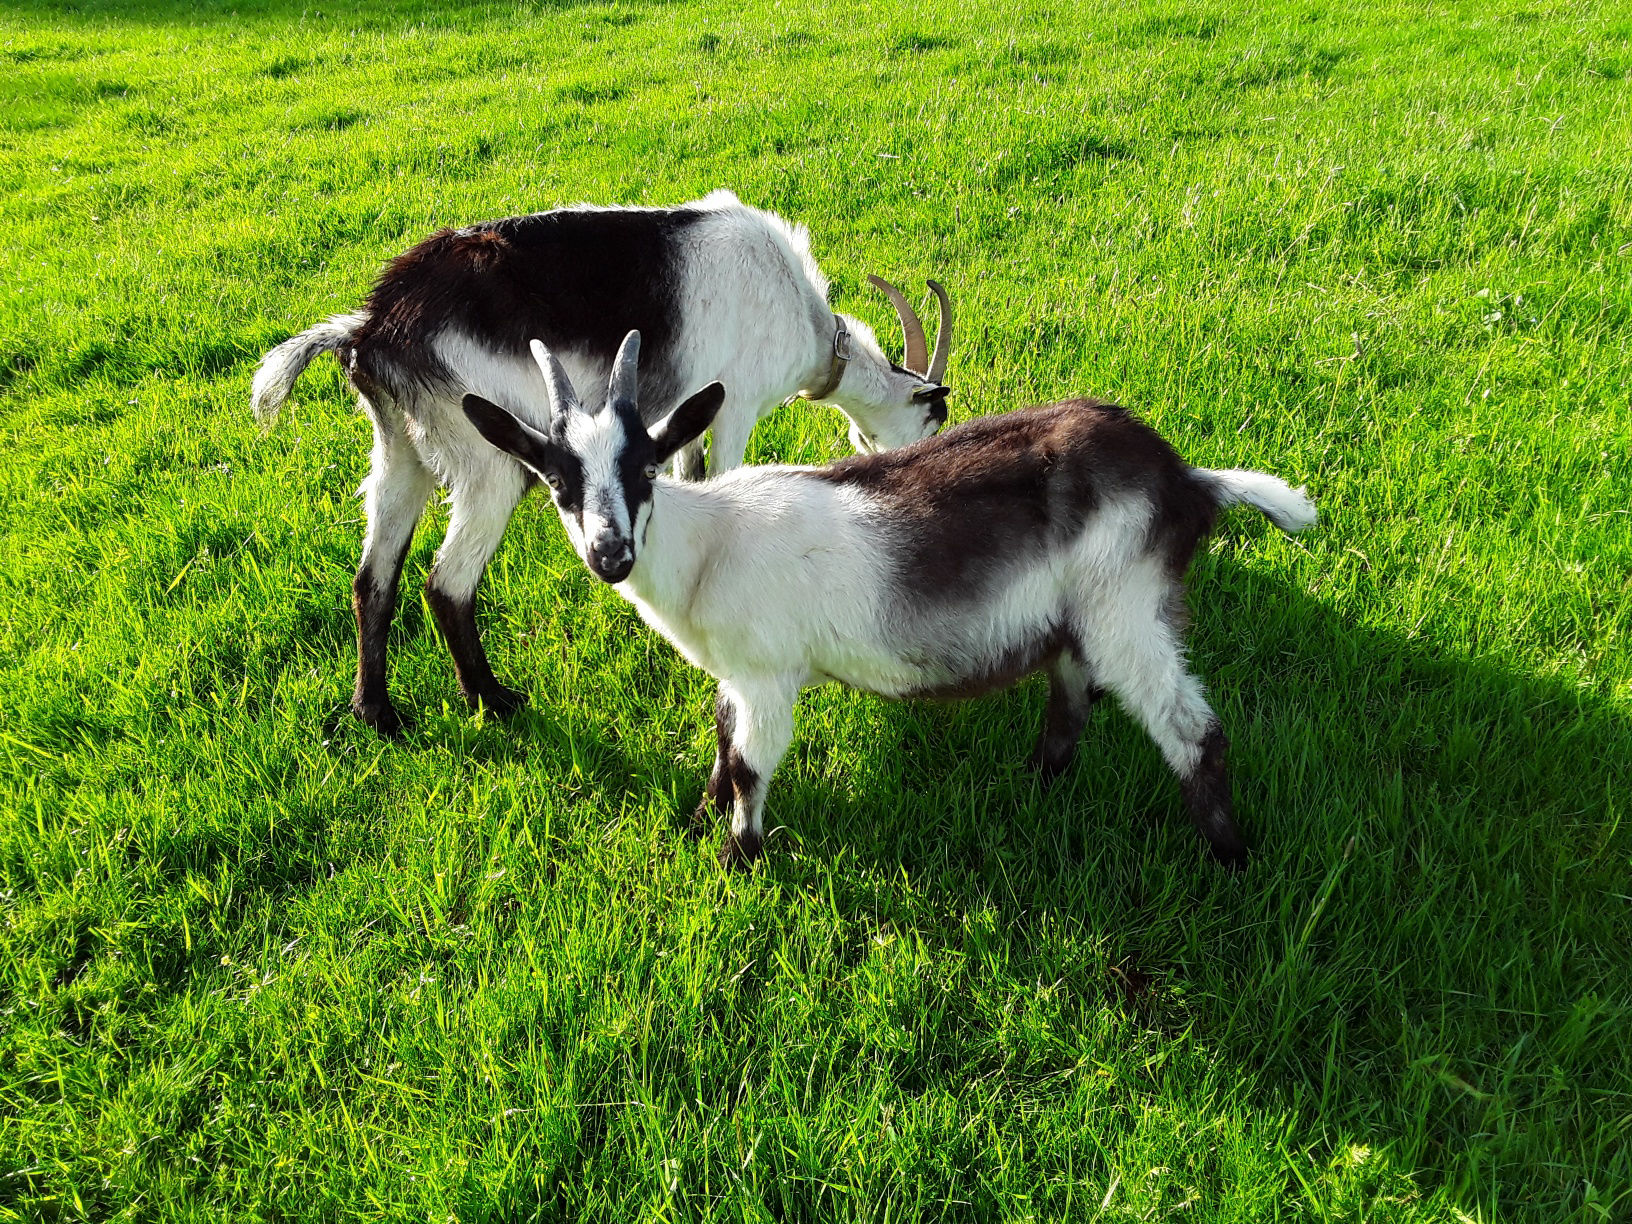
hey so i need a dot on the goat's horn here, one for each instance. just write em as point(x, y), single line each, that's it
point(625, 384)
point(943, 336)
point(562, 396)
point(917, 356)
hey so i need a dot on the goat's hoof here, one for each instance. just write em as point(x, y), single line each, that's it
point(381, 716)
point(1047, 771)
point(741, 851)
point(1226, 845)
point(1233, 857)
point(500, 701)
point(1048, 766)
point(701, 819)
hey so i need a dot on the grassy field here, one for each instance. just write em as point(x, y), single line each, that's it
point(256, 964)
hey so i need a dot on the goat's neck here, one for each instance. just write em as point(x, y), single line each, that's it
point(675, 549)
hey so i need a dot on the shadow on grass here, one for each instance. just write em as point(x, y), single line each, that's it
point(1426, 954)
point(1428, 950)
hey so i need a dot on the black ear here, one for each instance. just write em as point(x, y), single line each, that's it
point(510, 435)
point(687, 422)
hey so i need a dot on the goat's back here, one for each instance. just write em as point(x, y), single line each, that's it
point(577, 279)
point(999, 490)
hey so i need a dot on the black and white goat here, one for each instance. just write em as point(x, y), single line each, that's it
point(719, 290)
point(1055, 538)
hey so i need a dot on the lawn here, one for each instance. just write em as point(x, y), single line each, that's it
point(257, 964)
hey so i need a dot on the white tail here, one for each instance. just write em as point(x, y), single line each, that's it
point(1288, 508)
point(279, 368)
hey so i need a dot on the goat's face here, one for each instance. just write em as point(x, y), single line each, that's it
point(892, 405)
point(599, 466)
point(887, 405)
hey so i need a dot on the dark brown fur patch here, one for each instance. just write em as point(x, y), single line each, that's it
point(992, 492)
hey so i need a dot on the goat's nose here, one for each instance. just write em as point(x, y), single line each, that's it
point(611, 557)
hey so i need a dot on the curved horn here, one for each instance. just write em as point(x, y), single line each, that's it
point(917, 357)
point(625, 385)
point(562, 396)
point(943, 336)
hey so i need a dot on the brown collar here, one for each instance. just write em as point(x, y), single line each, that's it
point(835, 371)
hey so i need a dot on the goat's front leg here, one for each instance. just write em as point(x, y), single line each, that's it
point(754, 721)
point(690, 463)
point(728, 437)
point(718, 794)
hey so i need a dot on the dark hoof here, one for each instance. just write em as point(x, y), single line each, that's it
point(382, 716)
point(1047, 767)
point(1233, 858)
point(1226, 845)
point(740, 852)
point(697, 827)
point(500, 701)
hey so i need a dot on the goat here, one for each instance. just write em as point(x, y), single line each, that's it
point(721, 290)
point(1053, 539)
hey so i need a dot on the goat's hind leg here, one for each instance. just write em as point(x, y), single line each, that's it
point(394, 497)
point(483, 492)
point(1071, 696)
point(1133, 645)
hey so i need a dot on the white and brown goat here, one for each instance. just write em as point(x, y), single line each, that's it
point(1053, 539)
point(719, 290)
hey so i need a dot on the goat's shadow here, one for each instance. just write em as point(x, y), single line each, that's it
point(1413, 813)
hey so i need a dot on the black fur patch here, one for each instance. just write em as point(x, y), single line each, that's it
point(374, 605)
point(577, 279)
point(996, 491)
point(1069, 706)
point(732, 782)
point(719, 792)
point(741, 851)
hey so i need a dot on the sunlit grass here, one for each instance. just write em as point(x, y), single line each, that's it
point(255, 964)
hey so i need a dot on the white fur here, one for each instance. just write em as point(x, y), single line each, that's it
point(1288, 508)
point(276, 375)
point(757, 319)
point(599, 441)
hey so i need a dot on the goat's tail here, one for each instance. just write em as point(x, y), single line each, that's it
point(1288, 508)
point(279, 368)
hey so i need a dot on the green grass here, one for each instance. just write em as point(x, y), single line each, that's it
point(256, 964)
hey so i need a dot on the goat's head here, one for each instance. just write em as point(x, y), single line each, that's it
point(892, 405)
point(599, 465)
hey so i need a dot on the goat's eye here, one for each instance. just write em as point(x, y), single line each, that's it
point(651, 471)
point(554, 481)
